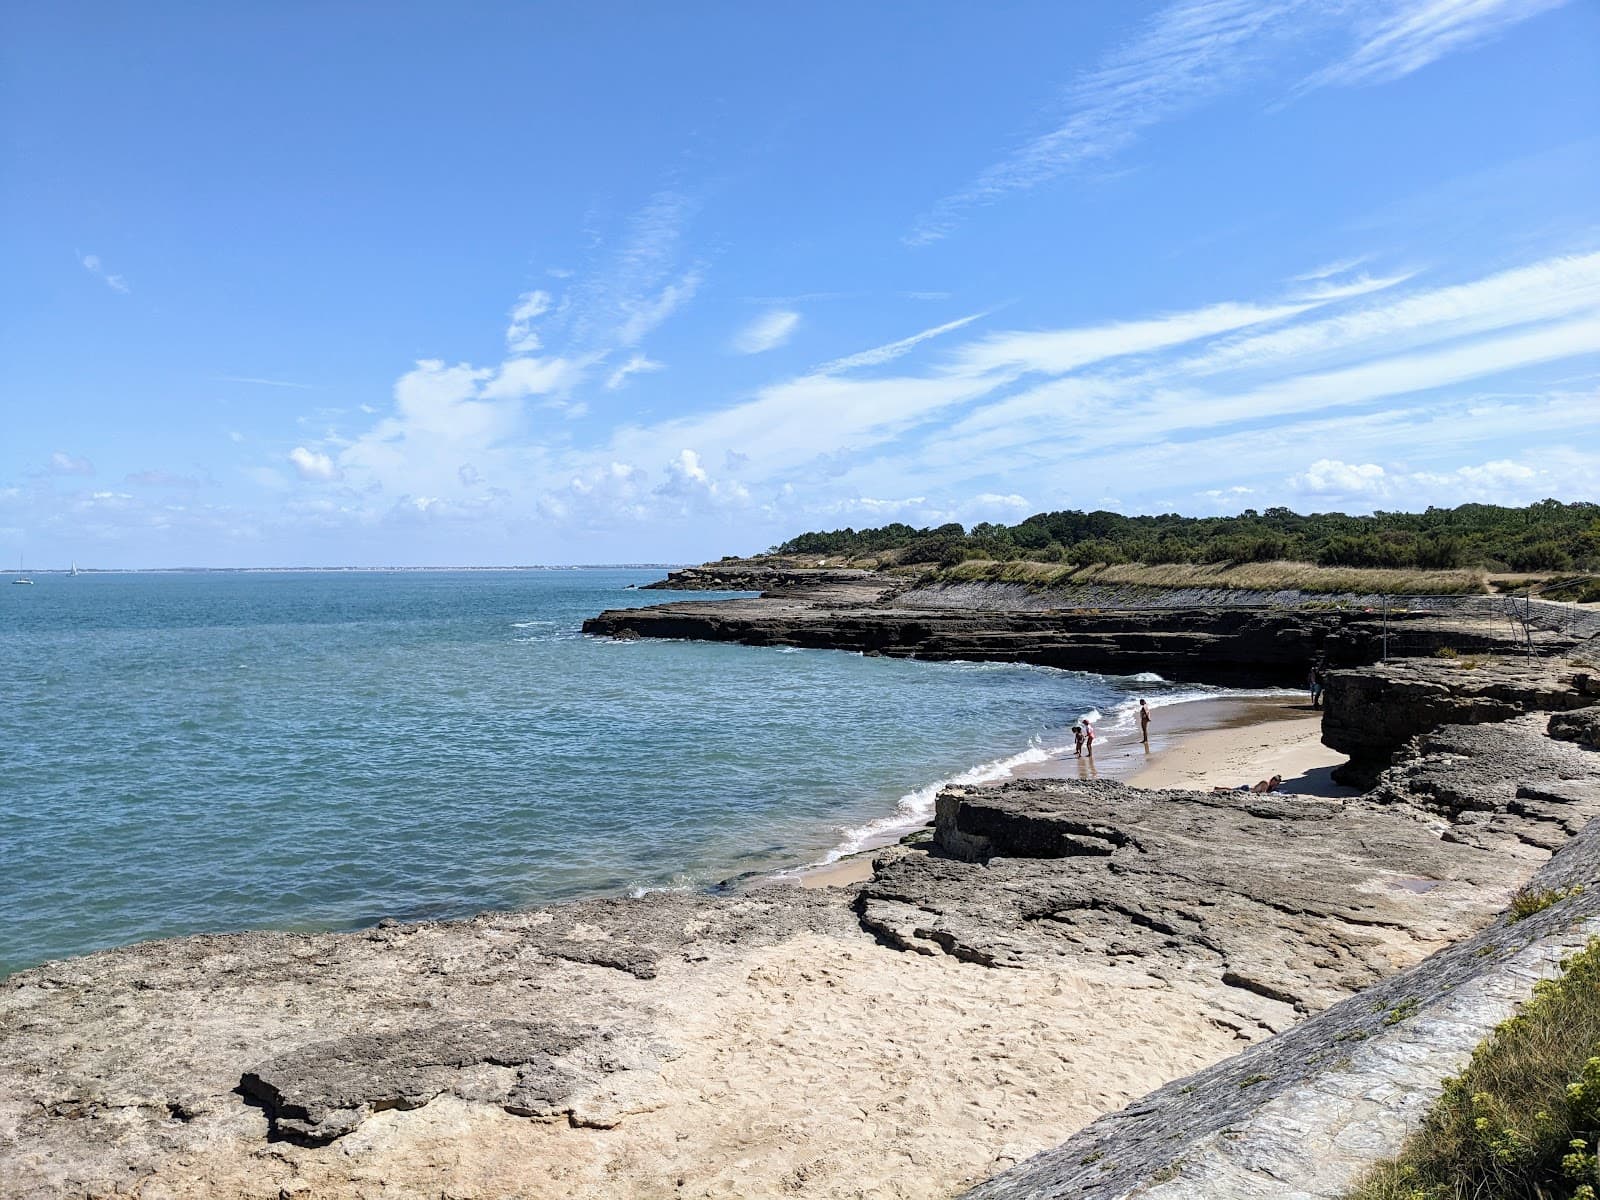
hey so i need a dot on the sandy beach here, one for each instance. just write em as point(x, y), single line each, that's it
point(1200, 744)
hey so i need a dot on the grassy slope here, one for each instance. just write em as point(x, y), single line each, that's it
point(1269, 576)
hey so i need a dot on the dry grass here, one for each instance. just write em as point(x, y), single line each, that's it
point(1521, 1122)
point(1527, 900)
point(1266, 577)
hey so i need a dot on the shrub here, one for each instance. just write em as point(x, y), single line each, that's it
point(1527, 900)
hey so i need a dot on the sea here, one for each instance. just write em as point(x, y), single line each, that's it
point(186, 752)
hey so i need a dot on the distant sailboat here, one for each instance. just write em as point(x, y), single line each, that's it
point(74, 570)
point(22, 576)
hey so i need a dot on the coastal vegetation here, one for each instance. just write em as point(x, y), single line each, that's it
point(1522, 1121)
point(1255, 576)
point(1549, 537)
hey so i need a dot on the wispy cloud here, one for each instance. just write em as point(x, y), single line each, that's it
point(646, 313)
point(879, 355)
point(159, 478)
point(1194, 51)
point(1396, 42)
point(1056, 351)
point(277, 383)
point(1329, 269)
point(1187, 53)
point(62, 463)
point(92, 264)
point(767, 332)
point(520, 335)
point(637, 365)
point(628, 291)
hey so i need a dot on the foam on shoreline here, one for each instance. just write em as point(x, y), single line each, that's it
point(915, 808)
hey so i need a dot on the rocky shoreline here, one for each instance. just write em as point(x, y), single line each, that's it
point(1231, 645)
point(986, 1011)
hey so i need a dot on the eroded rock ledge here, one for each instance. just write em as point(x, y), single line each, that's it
point(874, 614)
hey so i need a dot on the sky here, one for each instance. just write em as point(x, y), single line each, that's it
point(415, 284)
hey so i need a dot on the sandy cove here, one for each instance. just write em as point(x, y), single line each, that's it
point(1197, 744)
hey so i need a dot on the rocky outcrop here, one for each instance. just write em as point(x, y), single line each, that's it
point(1302, 1115)
point(323, 1090)
point(1273, 906)
point(184, 1058)
point(1225, 646)
point(1374, 710)
point(1582, 726)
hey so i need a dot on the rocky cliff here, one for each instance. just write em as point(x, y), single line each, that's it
point(1374, 710)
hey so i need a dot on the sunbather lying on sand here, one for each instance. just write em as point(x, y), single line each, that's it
point(1265, 785)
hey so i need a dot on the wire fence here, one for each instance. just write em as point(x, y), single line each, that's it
point(1533, 623)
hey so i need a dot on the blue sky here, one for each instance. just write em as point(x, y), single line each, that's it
point(420, 284)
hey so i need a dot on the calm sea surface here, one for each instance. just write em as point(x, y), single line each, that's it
point(212, 751)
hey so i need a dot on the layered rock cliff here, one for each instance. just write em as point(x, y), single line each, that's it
point(1212, 645)
point(1372, 711)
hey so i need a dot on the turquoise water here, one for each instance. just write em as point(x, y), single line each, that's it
point(212, 751)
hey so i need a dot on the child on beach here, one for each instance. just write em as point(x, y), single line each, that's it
point(1077, 741)
point(1144, 722)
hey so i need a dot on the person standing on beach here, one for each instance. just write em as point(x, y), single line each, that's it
point(1088, 739)
point(1077, 741)
point(1144, 722)
point(1314, 682)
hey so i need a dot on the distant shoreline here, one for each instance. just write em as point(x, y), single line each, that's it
point(82, 571)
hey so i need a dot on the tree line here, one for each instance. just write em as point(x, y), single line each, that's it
point(1548, 536)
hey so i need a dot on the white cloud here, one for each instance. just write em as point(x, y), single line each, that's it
point(520, 336)
point(1330, 476)
point(637, 365)
point(62, 463)
point(689, 482)
point(1362, 487)
point(993, 500)
point(767, 332)
point(519, 377)
point(93, 264)
point(1397, 41)
point(313, 465)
